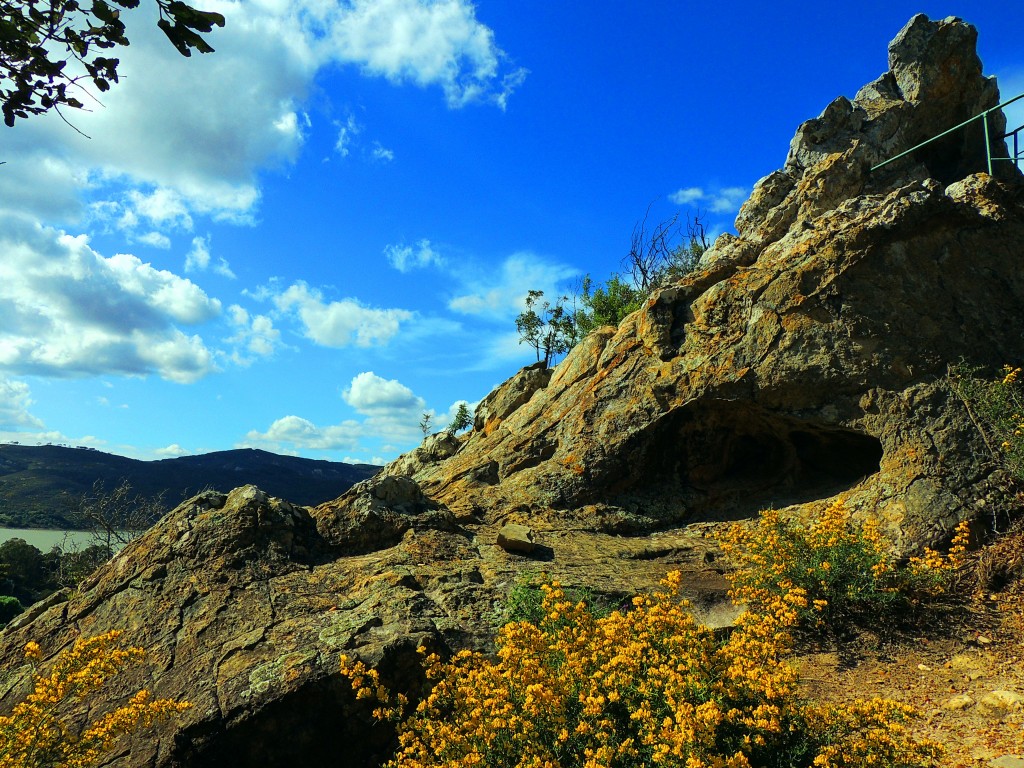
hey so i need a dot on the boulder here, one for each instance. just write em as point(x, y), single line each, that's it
point(806, 357)
point(998, 704)
point(516, 538)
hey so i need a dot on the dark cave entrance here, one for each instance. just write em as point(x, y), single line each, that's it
point(319, 724)
point(725, 456)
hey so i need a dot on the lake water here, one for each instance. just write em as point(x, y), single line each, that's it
point(45, 539)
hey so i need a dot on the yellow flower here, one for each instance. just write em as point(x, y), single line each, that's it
point(36, 734)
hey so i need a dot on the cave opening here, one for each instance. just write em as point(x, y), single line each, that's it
point(319, 723)
point(723, 454)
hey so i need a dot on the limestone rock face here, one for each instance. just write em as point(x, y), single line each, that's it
point(805, 358)
point(494, 408)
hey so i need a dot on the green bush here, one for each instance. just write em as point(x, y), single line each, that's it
point(9, 608)
point(526, 600)
point(996, 405)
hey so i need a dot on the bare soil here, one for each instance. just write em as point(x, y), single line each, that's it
point(963, 671)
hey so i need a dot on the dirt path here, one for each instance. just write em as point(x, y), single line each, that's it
point(968, 686)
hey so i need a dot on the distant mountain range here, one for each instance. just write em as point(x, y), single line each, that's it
point(37, 482)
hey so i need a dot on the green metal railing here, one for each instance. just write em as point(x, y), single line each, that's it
point(1018, 152)
point(1015, 158)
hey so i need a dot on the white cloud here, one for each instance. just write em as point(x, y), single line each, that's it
point(501, 294)
point(389, 411)
point(15, 400)
point(723, 200)
point(68, 310)
point(198, 259)
point(155, 239)
point(293, 433)
point(405, 258)
point(164, 139)
point(340, 323)
point(381, 153)
point(178, 137)
point(255, 336)
point(17, 425)
point(171, 451)
point(346, 136)
point(348, 141)
point(372, 395)
point(428, 43)
point(162, 208)
point(686, 195)
point(40, 182)
point(378, 460)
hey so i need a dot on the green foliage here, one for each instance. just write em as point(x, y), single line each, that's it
point(526, 600)
point(996, 403)
point(655, 258)
point(462, 420)
point(9, 608)
point(25, 572)
point(549, 328)
point(425, 424)
point(74, 564)
point(30, 575)
point(606, 304)
point(39, 39)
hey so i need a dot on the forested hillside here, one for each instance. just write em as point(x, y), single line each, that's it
point(39, 485)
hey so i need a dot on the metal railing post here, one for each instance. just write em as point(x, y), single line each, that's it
point(988, 143)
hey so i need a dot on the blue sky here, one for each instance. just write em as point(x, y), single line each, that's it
point(305, 240)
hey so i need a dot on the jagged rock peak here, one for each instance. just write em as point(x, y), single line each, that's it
point(934, 82)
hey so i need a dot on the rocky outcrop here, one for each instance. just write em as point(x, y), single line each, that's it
point(804, 358)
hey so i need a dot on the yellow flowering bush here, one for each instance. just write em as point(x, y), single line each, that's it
point(646, 687)
point(870, 732)
point(38, 734)
point(844, 570)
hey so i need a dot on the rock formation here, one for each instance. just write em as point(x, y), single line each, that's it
point(804, 358)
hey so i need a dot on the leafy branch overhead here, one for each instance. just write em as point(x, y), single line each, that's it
point(48, 48)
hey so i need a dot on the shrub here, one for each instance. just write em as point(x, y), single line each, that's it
point(649, 687)
point(526, 600)
point(996, 404)
point(37, 735)
point(606, 304)
point(9, 608)
point(846, 571)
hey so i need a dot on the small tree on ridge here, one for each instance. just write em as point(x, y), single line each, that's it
point(549, 329)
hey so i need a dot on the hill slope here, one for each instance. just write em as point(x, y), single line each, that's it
point(36, 481)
